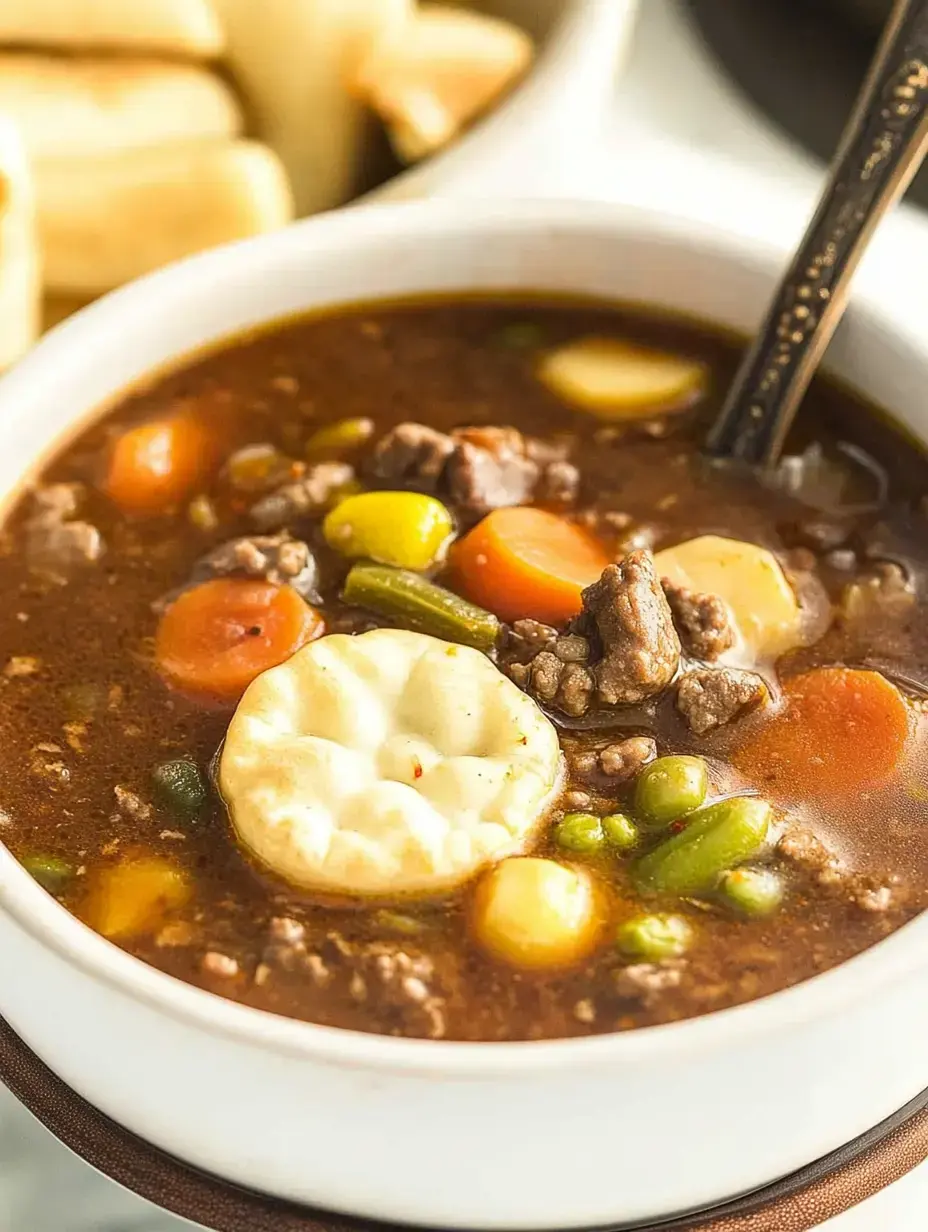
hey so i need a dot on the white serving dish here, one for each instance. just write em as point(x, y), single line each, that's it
point(545, 1135)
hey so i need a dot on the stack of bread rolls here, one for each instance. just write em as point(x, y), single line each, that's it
point(153, 129)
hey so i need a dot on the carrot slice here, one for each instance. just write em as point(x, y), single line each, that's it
point(158, 464)
point(528, 562)
point(842, 729)
point(217, 637)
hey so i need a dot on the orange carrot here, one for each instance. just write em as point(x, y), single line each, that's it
point(158, 464)
point(842, 729)
point(527, 562)
point(218, 636)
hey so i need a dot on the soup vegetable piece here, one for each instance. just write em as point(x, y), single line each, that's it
point(403, 669)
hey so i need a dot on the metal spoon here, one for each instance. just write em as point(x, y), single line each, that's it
point(883, 145)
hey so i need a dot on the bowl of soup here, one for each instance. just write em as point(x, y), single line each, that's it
point(420, 765)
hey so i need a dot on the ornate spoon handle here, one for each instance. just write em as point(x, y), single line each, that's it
point(882, 146)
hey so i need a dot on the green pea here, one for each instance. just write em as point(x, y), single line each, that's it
point(655, 937)
point(669, 788)
point(180, 786)
point(521, 336)
point(339, 438)
point(50, 872)
point(580, 832)
point(717, 838)
point(753, 891)
point(620, 831)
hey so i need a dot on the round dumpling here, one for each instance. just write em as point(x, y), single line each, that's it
point(386, 763)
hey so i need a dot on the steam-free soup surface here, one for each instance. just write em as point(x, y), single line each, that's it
point(807, 728)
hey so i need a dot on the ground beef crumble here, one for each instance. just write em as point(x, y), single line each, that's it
point(394, 980)
point(702, 621)
point(708, 698)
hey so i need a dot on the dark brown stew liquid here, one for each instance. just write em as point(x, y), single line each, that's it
point(83, 710)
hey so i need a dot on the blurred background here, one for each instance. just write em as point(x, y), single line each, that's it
point(136, 132)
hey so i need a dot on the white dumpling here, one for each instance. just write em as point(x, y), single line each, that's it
point(386, 763)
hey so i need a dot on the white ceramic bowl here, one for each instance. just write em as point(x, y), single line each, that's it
point(547, 1135)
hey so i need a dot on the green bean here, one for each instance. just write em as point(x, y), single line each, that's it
point(180, 786)
point(716, 839)
point(620, 831)
point(669, 788)
point(521, 336)
point(654, 937)
point(752, 891)
point(50, 872)
point(582, 832)
point(419, 604)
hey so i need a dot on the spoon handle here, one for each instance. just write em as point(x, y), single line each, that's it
point(882, 146)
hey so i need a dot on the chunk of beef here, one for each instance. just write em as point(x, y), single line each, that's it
point(394, 982)
point(529, 636)
point(644, 982)
point(569, 686)
point(806, 852)
point(559, 483)
point(307, 497)
point(412, 453)
point(632, 618)
point(53, 541)
point(711, 697)
point(276, 558)
point(489, 469)
point(623, 760)
point(702, 621)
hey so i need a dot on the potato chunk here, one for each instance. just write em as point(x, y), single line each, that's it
point(749, 580)
point(537, 913)
point(618, 380)
point(386, 763)
point(133, 897)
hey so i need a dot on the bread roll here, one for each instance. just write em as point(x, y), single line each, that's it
point(68, 107)
point(20, 285)
point(105, 221)
point(175, 27)
point(292, 59)
point(444, 68)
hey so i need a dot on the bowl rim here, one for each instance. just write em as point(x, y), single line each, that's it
point(40, 916)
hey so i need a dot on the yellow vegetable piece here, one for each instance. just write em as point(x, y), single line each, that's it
point(337, 439)
point(749, 580)
point(620, 380)
point(405, 529)
point(537, 913)
point(133, 897)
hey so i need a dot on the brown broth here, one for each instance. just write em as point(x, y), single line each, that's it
point(441, 364)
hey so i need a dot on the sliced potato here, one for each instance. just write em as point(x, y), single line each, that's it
point(175, 27)
point(105, 221)
point(20, 283)
point(621, 380)
point(70, 107)
point(438, 72)
point(386, 763)
point(537, 913)
point(293, 60)
point(749, 580)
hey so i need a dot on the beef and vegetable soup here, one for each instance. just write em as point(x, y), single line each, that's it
point(406, 669)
